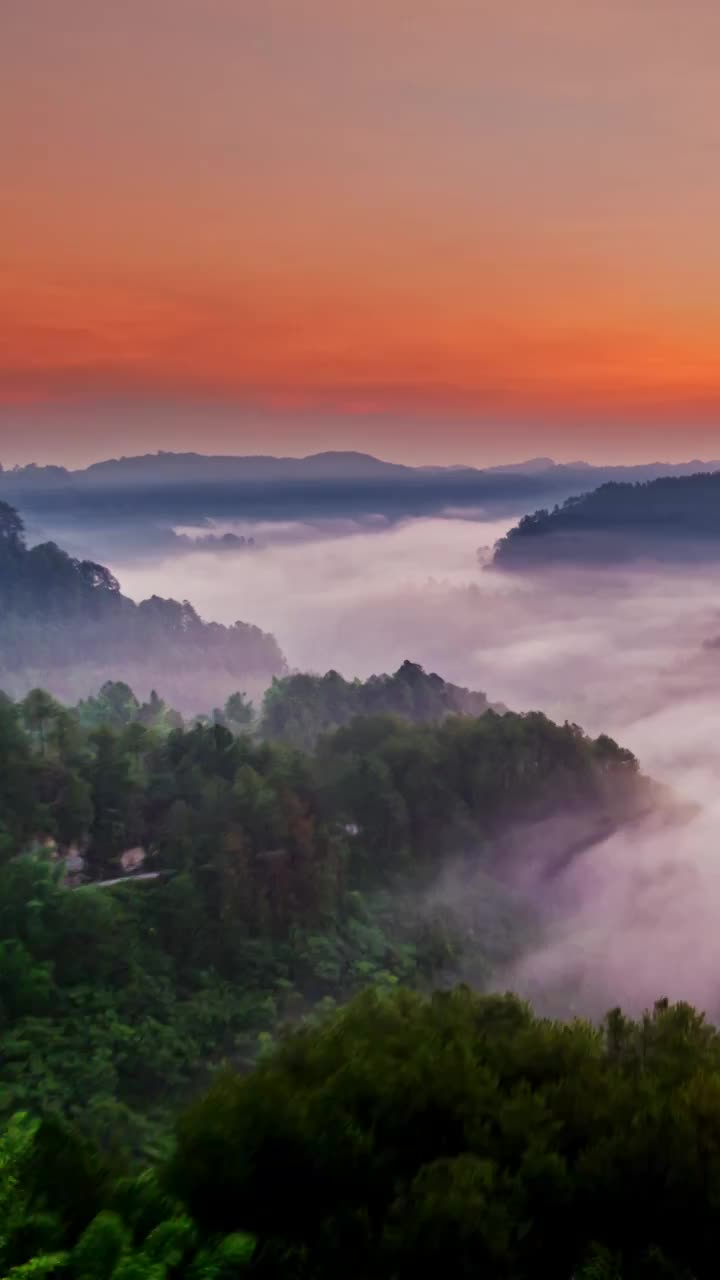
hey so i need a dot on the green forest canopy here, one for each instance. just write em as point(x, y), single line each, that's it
point(404, 1135)
point(297, 709)
point(278, 878)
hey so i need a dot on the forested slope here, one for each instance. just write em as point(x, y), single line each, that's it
point(277, 879)
point(66, 625)
point(403, 1136)
point(298, 708)
point(670, 519)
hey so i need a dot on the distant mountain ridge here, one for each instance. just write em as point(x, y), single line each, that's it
point(136, 506)
point(180, 467)
point(168, 467)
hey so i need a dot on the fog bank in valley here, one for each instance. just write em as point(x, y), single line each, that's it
point(622, 652)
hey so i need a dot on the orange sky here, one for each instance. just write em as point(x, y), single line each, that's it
point(439, 230)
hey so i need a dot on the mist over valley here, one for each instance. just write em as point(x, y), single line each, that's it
point(287, 791)
point(625, 649)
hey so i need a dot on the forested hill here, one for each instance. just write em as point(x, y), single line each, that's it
point(298, 708)
point(400, 1136)
point(404, 1135)
point(670, 519)
point(65, 622)
point(272, 880)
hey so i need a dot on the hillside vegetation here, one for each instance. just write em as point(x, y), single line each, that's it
point(671, 519)
point(403, 1136)
point(298, 708)
point(65, 623)
point(275, 879)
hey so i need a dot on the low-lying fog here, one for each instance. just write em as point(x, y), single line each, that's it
point(618, 651)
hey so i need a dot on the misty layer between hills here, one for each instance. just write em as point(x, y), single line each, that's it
point(629, 652)
point(625, 651)
point(136, 506)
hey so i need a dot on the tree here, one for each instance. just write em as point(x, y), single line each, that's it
point(15, 1144)
point(11, 529)
point(239, 711)
point(39, 710)
point(152, 713)
point(119, 704)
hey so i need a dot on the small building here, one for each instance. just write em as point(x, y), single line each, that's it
point(132, 859)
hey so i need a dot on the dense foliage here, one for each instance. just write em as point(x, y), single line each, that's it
point(299, 708)
point(669, 518)
point(404, 1136)
point(272, 880)
point(60, 614)
point(409, 1135)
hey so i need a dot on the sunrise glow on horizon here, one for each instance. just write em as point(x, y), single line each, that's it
point(438, 231)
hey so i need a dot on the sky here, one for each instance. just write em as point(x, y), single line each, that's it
point(436, 230)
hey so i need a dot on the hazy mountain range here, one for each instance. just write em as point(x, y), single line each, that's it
point(183, 468)
point(140, 506)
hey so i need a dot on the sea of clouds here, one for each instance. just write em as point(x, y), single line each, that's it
point(624, 652)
